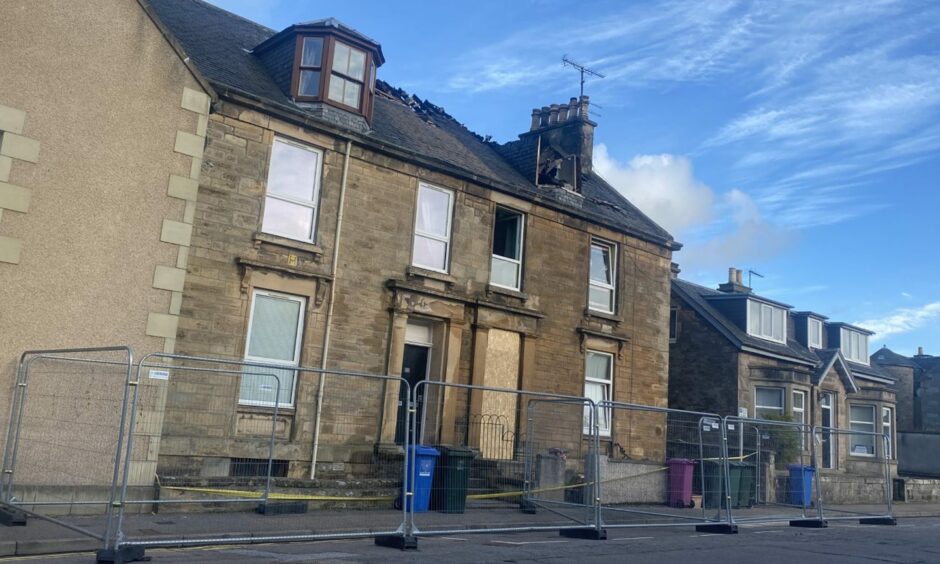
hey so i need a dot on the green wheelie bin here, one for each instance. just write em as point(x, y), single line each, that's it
point(451, 480)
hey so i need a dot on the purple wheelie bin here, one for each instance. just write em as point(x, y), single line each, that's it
point(680, 482)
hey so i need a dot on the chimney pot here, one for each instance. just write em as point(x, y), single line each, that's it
point(739, 277)
point(920, 351)
point(553, 114)
point(562, 113)
point(732, 274)
point(536, 118)
point(544, 119)
point(585, 100)
point(573, 108)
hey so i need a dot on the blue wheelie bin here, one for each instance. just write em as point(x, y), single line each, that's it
point(425, 459)
point(801, 484)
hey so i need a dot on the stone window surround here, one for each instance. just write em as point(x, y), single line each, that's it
point(298, 344)
point(614, 255)
point(284, 240)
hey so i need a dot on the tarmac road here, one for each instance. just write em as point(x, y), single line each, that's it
point(914, 540)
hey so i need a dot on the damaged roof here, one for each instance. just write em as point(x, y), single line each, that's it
point(220, 45)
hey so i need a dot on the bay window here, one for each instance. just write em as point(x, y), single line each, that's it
point(862, 419)
point(887, 425)
point(768, 402)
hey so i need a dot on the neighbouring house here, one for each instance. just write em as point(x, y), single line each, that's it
point(102, 125)
point(918, 392)
point(341, 222)
point(734, 352)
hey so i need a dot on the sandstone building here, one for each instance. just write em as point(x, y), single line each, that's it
point(342, 223)
point(734, 352)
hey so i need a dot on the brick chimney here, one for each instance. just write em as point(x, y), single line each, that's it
point(735, 283)
point(564, 137)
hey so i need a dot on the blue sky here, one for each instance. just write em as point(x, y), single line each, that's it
point(797, 139)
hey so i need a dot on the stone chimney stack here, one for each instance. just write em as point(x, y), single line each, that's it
point(565, 136)
point(920, 351)
point(735, 283)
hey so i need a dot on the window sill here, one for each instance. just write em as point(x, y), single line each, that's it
point(590, 313)
point(260, 237)
point(264, 409)
point(418, 272)
point(493, 289)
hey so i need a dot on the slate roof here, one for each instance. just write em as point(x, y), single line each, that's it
point(888, 357)
point(219, 43)
point(695, 295)
point(697, 298)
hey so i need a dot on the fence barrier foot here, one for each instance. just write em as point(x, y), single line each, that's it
point(717, 528)
point(401, 542)
point(878, 521)
point(120, 555)
point(12, 517)
point(282, 507)
point(528, 507)
point(810, 523)
point(590, 533)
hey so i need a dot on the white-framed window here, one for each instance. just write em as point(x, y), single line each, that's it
point(275, 334)
point(506, 263)
point(887, 426)
point(827, 409)
point(814, 333)
point(602, 291)
point(768, 401)
point(598, 386)
point(293, 191)
point(862, 419)
point(766, 321)
point(854, 346)
point(673, 324)
point(432, 227)
point(798, 399)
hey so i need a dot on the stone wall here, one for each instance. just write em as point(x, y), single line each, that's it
point(377, 292)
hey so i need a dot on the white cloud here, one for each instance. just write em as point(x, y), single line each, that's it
point(902, 320)
point(662, 186)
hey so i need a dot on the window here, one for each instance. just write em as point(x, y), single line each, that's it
point(766, 321)
point(275, 325)
point(598, 381)
point(862, 419)
point(506, 264)
point(348, 74)
point(290, 204)
point(854, 346)
point(768, 401)
point(673, 324)
point(799, 413)
point(814, 333)
point(828, 440)
point(432, 228)
point(311, 59)
point(887, 424)
point(602, 293)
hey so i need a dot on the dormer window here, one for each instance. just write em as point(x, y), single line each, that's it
point(766, 321)
point(349, 68)
point(324, 66)
point(336, 72)
point(814, 333)
point(311, 58)
point(854, 346)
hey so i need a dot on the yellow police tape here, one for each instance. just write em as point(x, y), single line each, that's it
point(298, 497)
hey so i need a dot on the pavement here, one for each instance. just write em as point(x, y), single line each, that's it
point(42, 537)
point(916, 540)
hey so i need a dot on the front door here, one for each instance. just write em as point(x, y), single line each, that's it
point(414, 369)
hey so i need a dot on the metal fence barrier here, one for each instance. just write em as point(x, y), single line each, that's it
point(854, 479)
point(62, 455)
point(230, 442)
point(771, 471)
point(464, 482)
point(665, 468)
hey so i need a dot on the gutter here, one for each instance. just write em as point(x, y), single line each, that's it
point(329, 315)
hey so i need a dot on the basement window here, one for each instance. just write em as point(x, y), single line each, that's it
point(257, 467)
